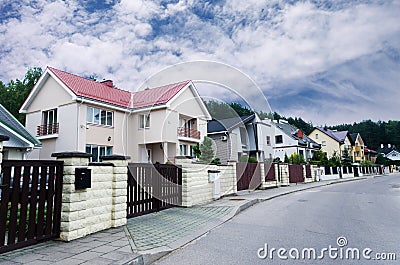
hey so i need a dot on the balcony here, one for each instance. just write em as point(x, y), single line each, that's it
point(189, 133)
point(47, 129)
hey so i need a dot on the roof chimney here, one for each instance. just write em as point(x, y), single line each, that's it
point(389, 145)
point(108, 83)
point(381, 145)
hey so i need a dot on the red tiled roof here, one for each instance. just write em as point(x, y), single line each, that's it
point(98, 91)
point(157, 96)
point(91, 89)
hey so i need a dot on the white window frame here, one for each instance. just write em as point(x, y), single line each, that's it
point(144, 121)
point(102, 121)
point(108, 150)
point(46, 117)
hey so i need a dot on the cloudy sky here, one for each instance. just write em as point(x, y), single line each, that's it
point(328, 61)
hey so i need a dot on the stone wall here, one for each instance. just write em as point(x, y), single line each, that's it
point(99, 207)
point(196, 185)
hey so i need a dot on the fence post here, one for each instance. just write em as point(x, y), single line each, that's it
point(233, 171)
point(119, 188)
point(2, 139)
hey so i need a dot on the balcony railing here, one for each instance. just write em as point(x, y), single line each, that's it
point(47, 129)
point(187, 132)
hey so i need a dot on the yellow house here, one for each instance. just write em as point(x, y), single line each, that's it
point(331, 141)
point(357, 147)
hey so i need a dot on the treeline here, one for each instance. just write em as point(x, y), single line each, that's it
point(14, 93)
point(373, 133)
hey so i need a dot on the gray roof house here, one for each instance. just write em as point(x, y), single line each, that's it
point(20, 141)
point(246, 136)
point(289, 140)
point(389, 151)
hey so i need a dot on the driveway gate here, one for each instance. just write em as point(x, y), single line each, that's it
point(248, 175)
point(296, 173)
point(30, 202)
point(152, 188)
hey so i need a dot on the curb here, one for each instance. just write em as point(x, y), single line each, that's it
point(144, 259)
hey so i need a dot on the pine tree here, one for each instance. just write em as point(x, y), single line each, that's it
point(346, 158)
point(207, 152)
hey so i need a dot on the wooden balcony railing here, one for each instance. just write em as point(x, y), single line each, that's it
point(47, 129)
point(190, 133)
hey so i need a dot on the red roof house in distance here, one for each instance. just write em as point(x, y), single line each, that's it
point(71, 113)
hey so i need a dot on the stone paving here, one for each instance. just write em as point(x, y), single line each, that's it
point(107, 247)
point(165, 227)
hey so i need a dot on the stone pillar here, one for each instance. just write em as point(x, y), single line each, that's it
point(234, 179)
point(103, 205)
point(74, 208)
point(119, 188)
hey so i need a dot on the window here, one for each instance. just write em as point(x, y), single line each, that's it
point(323, 143)
point(144, 121)
point(268, 140)
point(183, 149)
point(316, 136)
point(49, 117)
point(279, 139)
point(97, 151)
point(49, 123)
point(99, 116)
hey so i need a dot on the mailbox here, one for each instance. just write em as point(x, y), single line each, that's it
point(214, 178)
point(83, 178)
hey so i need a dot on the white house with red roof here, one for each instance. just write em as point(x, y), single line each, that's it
point(71, 113)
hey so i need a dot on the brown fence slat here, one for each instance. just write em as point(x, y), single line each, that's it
point(269, 169)
point(296, 173)
point(26, 222)
point(5, 189)
point(24, 204)
point(152, 188)
point(33, 203)
point(12, 225)
point(248, 175)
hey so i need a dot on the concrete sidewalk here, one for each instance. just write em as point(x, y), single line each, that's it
point(147, 238)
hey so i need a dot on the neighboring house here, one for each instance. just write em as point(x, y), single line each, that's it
point(370, 155)
point(289, 140)
point(72, 113)
point(20, 142)
point(389, 151)
point(357, 147)
point(241, 136)
point(331, 140)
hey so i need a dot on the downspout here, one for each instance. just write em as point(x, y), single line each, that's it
point(77, 127)
point(255, 137)
point(228, 150)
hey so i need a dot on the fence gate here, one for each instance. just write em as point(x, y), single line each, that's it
point(30, 202)
point(152, 188)
point(308, 171)
point(248, 175)
point(269, 169)
point(296, 173)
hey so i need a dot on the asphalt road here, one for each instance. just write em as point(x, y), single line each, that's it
point(365, 212)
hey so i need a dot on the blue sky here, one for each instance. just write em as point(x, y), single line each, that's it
point(330, 62)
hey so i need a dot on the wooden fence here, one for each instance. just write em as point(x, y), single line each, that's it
point(152, 188)
point(30, 205)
